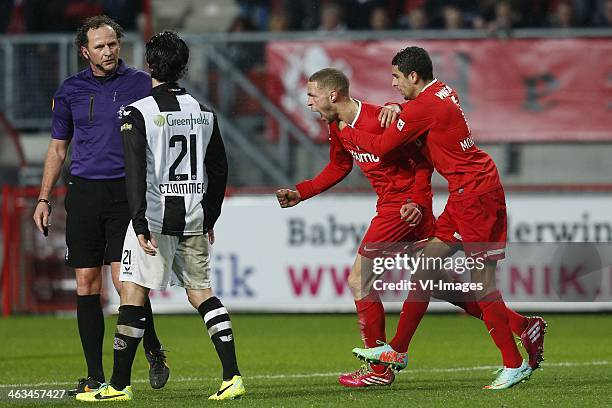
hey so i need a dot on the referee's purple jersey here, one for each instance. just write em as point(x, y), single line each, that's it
point(89, 112)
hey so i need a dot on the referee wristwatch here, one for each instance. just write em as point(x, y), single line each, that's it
point(44, 200)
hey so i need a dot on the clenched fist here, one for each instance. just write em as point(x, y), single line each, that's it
point(411, 213)
point(288, 198)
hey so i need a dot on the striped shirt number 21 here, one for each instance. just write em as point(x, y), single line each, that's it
point(182, 140)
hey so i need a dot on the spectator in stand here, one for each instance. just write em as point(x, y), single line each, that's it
point(534, 13)
point(604, 13)
point(77, 11)
point(483, 12)
point(563, 16)
point(124, 12)
point(46, 16)
point(498, 16)
point(582, 11)
point(358, 14)
point(416, 19)
point(279, 21)
point(16, 21)
point(331, 18)
point(257, 11)
point(6, 10)
point(241, 24)
point(435, 10)
point(379, 19)
point(452, 17)
point(302, 14)
point(504, 21)
point(608, 13)
point(244, 55)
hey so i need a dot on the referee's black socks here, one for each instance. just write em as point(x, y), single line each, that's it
point(129, 332)
point(90, 320)
point(219, 327)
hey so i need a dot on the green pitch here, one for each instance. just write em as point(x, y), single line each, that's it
point(293, 361)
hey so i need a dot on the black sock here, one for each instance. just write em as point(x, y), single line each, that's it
point(150, 341)
point(129, 332)
point(219, 326)
point(90, 320)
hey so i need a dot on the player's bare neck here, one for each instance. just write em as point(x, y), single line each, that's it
point(100, 72)
point(421, 85)
point(156, 82)
point(348, 110)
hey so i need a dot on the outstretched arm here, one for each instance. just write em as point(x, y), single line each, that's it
point(339, 166)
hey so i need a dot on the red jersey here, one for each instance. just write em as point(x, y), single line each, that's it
point(394, 178)
point(436, 116)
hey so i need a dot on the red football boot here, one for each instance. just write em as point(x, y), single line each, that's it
point(365, 377)
point(533, 340)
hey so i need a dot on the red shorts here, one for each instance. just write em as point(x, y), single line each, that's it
point(387, 229)
point(479, 223)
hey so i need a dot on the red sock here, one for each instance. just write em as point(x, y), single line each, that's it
point(466, 301)
point(496, 320)
point(371, 315)
point(413, 310)
point(518, 323)
point(470, 308)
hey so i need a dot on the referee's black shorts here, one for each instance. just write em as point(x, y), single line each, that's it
point(96, 221)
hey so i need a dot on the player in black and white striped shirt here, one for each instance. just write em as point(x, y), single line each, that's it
point(176, 161)
point(176, 174)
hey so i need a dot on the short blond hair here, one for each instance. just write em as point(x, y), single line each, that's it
point(332, 79)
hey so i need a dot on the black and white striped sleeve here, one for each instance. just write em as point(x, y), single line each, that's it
point(215, 162)
point(134, 135)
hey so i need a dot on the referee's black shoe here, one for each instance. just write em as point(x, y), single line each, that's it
point(85, 385)
point(158, 369)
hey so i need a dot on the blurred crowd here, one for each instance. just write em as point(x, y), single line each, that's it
point(492, 15)
point(48, 16)
point(19, 16)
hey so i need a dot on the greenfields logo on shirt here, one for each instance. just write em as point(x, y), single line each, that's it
point(159, 120)
point(172, 119)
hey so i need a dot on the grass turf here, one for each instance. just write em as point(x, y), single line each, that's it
point(293, 361)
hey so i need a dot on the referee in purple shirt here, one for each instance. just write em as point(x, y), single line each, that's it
point(87, 110)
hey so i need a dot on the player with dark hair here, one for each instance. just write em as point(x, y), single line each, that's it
point(176, 175)
point(474, 217)
point(86, 111)
point(403, 209)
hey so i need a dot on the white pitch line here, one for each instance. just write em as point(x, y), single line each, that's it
point(332, 374)
point(482, 368)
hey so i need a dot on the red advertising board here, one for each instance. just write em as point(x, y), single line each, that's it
point(532, 90)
